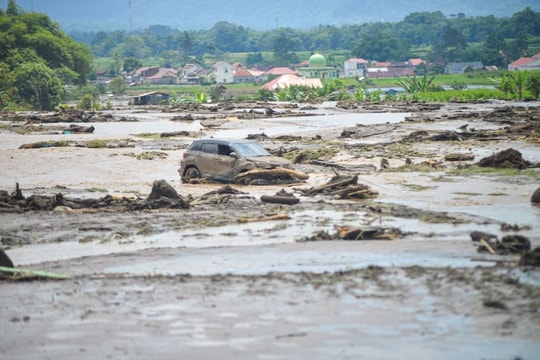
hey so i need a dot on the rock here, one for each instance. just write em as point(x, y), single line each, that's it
point(480, 235)
point(530, 258)
point(508, 158)
point(5, 261)
point(536, 196)
point(160, 188)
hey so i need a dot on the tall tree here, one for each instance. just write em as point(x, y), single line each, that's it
point(13, 9)
point(38, 86)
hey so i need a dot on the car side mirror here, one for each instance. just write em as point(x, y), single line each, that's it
point(233, 155)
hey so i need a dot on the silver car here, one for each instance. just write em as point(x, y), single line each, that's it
point(223, 160)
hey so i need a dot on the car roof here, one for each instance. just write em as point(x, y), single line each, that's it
point(225, 141)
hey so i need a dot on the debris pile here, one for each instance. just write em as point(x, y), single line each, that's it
point(343, 187)
point(531, 257)
point(219, 196)
point(162, 196)
point(509, 244)
point(347, 232)
point(281, 197)
point(508, 158)
point(277, 175)
point(355, 233)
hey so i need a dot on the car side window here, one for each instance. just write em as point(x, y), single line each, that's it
point(196, 146)
point(210, 148)
point(224, 150)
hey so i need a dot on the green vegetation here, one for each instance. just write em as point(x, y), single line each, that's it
point(36, 60)
point(42, 67)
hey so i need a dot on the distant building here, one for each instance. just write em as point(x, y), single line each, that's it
point(288, 80)
point(155, 75)
point(151, 98)
point(526, 63)
point(355, 68)
point(459, 68)
point(224, 73)
point(317, 68)
point(386, 69)
point(190, 74)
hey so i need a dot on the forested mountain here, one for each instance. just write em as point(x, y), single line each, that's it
point(110, 15)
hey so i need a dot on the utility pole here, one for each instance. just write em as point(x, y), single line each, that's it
point(130, 17)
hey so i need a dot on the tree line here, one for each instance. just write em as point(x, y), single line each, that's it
point(457, 38)
point(37, 59)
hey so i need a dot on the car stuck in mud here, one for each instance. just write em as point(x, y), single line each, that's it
point(224, 159)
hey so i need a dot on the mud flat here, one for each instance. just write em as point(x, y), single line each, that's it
point(339, 274)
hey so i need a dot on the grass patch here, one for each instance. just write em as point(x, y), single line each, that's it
point(96, 144)
point(102, 190)
point(152, 155)
point(148, 135)
point(474, 169)
point(416, 187)
point(45, 144)
point(438, 219)
point(466, 193)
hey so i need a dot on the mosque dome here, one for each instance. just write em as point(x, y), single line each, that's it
point(317, 60)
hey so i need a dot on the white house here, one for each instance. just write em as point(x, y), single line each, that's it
point(224, 73)
point(355, 68)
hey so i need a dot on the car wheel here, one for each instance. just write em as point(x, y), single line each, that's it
point(192, 173)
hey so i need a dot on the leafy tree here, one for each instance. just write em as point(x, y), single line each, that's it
point(131, 64)
point(13, 9)
point(283, 49)
point(533, 84)
point(118, 86)
point(382, 46)
point(38, 86)
point(254, 58)
point(186, 43)
point(133, 46)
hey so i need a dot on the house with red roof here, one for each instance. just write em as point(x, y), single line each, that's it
point(525, 63)
point(288, 80)
point(384, 69)
point(155, 75)
point(279, 71)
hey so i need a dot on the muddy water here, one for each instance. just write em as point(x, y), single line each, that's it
point(308, 124)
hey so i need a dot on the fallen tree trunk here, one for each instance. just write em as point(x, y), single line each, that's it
point(278, 173)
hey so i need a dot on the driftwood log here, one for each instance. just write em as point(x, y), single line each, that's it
point(281, 197)
point(274, 175)
point(344, 187)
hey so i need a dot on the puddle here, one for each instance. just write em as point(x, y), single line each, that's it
point(118, 129)
point(299, 125)
point(260, 247)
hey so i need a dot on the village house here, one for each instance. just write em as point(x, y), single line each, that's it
point(155, 75)
point(190, 74)
point(460, 68)
point(276, 72)
point(355, 68)
point(414, 63)
point(223, 73)
point(151, 98)
point(384, 69)
point(288, 80)
point(525, 63)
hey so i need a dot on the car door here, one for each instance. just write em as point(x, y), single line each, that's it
point(207, 159)
point(224, 166)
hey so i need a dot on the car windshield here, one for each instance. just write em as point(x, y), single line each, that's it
point(251, 149)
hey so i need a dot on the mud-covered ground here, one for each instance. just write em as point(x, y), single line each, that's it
point(232, 276)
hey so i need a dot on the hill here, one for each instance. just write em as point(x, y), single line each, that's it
point(110, 15)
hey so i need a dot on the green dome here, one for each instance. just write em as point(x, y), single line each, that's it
point(317, 60)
